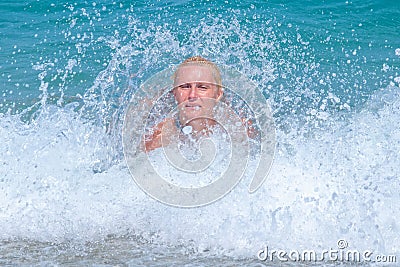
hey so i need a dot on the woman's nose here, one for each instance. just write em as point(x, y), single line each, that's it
point(193, 92)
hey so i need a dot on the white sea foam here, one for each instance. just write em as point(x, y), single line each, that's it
point(340, 183)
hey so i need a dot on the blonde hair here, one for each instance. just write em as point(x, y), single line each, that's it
point(198, 60)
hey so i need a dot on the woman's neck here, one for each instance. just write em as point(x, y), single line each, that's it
point(197, 127)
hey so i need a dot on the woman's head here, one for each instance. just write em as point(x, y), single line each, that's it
point(197, 89)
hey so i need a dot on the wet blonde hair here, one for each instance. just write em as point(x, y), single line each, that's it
point(200, 61)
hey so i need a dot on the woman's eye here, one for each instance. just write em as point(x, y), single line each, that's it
point(184, 86)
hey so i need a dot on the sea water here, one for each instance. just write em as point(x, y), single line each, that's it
point(329, 70)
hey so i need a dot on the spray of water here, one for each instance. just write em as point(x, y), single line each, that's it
point(334, 175)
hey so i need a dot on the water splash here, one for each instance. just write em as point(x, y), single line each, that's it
point(335, 174)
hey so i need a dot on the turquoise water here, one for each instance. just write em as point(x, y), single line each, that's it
point(330, 71)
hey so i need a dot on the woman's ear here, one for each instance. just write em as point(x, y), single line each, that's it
point(220, 93)
point(173, 91)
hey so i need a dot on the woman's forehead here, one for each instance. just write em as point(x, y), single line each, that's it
point(194, 73)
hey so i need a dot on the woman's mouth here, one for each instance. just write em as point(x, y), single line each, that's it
point(193, 106)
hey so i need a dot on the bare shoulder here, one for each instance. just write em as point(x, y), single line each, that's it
point(160, 135)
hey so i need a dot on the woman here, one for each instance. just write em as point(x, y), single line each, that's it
point(197, 90)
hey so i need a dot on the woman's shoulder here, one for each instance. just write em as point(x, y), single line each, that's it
point(160, 135)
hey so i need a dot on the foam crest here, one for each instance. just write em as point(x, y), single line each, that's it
point(341, 183)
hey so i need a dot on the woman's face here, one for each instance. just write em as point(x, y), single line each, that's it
point(196, 92)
